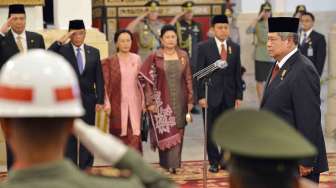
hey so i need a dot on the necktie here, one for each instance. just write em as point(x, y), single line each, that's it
point(304, 38)
point(223, 52)
point(80, 61)
point(274, 72)
point(19, 43)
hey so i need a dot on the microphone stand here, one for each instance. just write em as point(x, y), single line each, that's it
point(205, 75)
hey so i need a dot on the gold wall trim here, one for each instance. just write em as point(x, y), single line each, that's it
point(111, 12)
point(164, 11)
point(97, 12)
point(112, 25)
point(25, 2)
point(217, 9)
point(96, 3)
point(142, 2)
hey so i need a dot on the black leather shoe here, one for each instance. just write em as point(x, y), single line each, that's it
point(213, 168)
point(223, 167)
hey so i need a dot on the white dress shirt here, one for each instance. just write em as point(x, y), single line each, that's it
point(23, 39)
point(82, 51)
point(219, 45)
point(283, 60)
point(307, 34)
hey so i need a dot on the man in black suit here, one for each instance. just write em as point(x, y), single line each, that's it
point(293, 91)
point(13, 35)
point(85, 60)
point(15, 39)
point(312, 44)
point(225, 90)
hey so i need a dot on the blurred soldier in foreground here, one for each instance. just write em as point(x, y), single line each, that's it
point(265, 154)
point(40, 96)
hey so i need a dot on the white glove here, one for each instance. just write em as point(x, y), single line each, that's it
point(104, 145)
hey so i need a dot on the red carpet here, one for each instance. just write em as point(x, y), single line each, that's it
point(191, 173)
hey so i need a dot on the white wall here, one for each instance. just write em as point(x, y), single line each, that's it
point(34, 17)
point(65, 10)
point(252, 6)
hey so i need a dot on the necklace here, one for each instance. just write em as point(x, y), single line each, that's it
point(170, 53)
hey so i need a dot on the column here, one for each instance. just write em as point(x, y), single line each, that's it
point(65, 10)
point(330, 116)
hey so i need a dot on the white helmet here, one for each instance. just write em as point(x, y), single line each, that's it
point(39, 84)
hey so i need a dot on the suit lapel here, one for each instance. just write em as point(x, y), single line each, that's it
point(73, 57)
point(12, 42)
point(30, 41)
point(87, 58)
point(214, 48)
point(305, 44)
point(229, 51)
point(285, 69)
point(266, 88)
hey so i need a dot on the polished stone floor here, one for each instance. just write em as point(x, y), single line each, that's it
point(193, 145)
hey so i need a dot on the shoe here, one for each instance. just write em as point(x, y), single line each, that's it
point(194, 110)
point(223, 167)
point(172, 170)
point(213, 168)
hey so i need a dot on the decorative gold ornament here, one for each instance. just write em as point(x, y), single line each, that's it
point(283, 74)
point(188, 117)
point(183, 61)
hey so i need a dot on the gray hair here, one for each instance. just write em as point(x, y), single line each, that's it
point(286, 35)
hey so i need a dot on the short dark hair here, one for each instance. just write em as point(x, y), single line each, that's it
point(41, 131)
point(166, 28)
point(263, 173)
point(121, 31)
point(309, 14)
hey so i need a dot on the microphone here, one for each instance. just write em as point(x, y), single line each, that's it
point(221, 64)
point(218, 64)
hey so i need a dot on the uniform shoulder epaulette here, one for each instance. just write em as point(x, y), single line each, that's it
point(109, 172)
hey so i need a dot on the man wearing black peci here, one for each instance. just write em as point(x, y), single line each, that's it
point(225, 89)
point(293, 91)
point(85, 60)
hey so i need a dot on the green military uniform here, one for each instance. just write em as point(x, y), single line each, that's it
point(130, 172)
point(133, 162)
point(299, 9)
point(149, 37)
point(263, 61)
point(260, 147)
point(189, 33)
point(63, 174)
point(261, 37)
point(149, 32)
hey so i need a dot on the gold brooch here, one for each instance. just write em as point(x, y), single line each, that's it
point(183, 61)
point(188, 117)
point(230, 51)
point(283, 74)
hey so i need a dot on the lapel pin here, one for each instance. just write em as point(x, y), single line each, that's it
point(31, 41)
point(183, 61)
point(230, 51)
point(283, 74)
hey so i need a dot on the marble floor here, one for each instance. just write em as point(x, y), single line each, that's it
point(193, 146)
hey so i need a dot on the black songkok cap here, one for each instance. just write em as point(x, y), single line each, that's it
point(219, 19)
point(16, 9)
point(283, 24)
point(76, 24)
